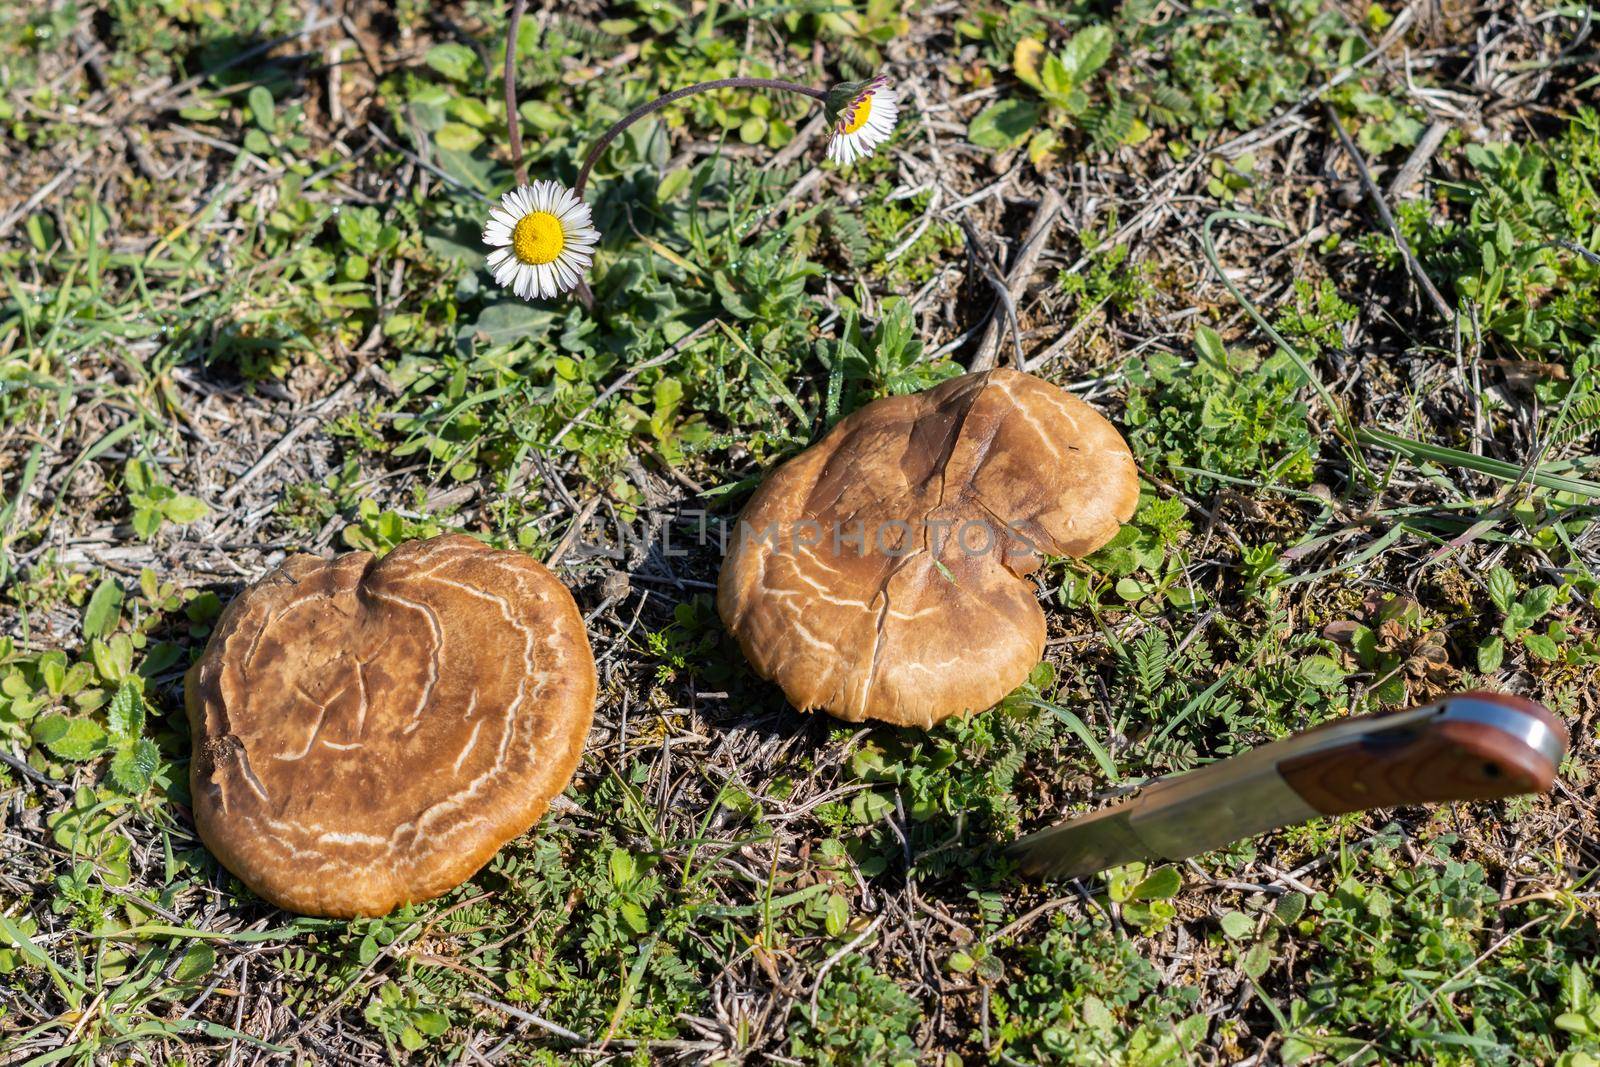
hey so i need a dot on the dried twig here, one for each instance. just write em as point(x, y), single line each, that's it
point(295, 432)
point(1410, 171)
point(1382, 206)
point(1022, 265)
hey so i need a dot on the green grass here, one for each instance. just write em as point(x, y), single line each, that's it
point(1352, 501)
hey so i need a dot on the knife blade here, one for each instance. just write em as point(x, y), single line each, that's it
point(1471, 746)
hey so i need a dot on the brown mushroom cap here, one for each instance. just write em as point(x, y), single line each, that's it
point(880, 573)
point(367, 733)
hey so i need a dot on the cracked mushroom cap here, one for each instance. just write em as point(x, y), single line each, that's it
point(881, 573)
point(367, 733)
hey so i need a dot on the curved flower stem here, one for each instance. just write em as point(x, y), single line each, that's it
point(678, 94)
point(513, 122)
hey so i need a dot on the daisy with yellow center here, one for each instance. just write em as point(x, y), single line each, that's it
point(864, 115)
point(543, 240)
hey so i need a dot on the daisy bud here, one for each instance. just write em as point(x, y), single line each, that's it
point(863, 116)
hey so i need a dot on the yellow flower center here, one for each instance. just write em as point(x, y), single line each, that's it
point(858, 114)
point(538, 238)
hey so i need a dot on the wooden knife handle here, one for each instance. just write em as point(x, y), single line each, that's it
point(1436, 759)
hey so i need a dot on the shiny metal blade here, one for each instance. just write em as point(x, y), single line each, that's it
point(1174, 818)
point(1232, 799)
point(1082, 846)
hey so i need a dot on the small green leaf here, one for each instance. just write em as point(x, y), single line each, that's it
point(471, 111)
point(112, 658)
point(1208, 343)
point(1290, 907)
point(1257, 959)
point(1541, 647)
point(634, 916)
point(104, 609)
point(1087, 52)
point(837, 917)
point(674, 183)
point(458, 136)
point(261, 108)
point(1537, 602)
point(146, 521)
point(736, 301)
point(183, 509)
point(1321, 671)
point(133, 767)
point(1502, 588)
point(960, 962)
point(452, 60)
point(1491, 653)
point(1573, 1023)
point(1392, 690)
point(1055, 81)
point(53, 671)
point(510, 320)
point(543, 116)
point(51, 728)
point(1163, 883)
point(1237, 925)
point(70, 739)
point(1003, 124)
point(869, 806)
point(125, 713)
point(198, 962)
point(1365, 644)
point(1132, 589)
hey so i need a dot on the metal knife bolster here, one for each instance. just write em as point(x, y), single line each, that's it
point(1240, 797)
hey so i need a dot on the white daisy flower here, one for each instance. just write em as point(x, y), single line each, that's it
point(542, 238)
point(864, 114)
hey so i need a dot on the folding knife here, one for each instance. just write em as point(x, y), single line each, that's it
point(1472, 746)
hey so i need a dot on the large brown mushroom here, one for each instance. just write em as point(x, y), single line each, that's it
point(367, 733)
point(881, 573)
